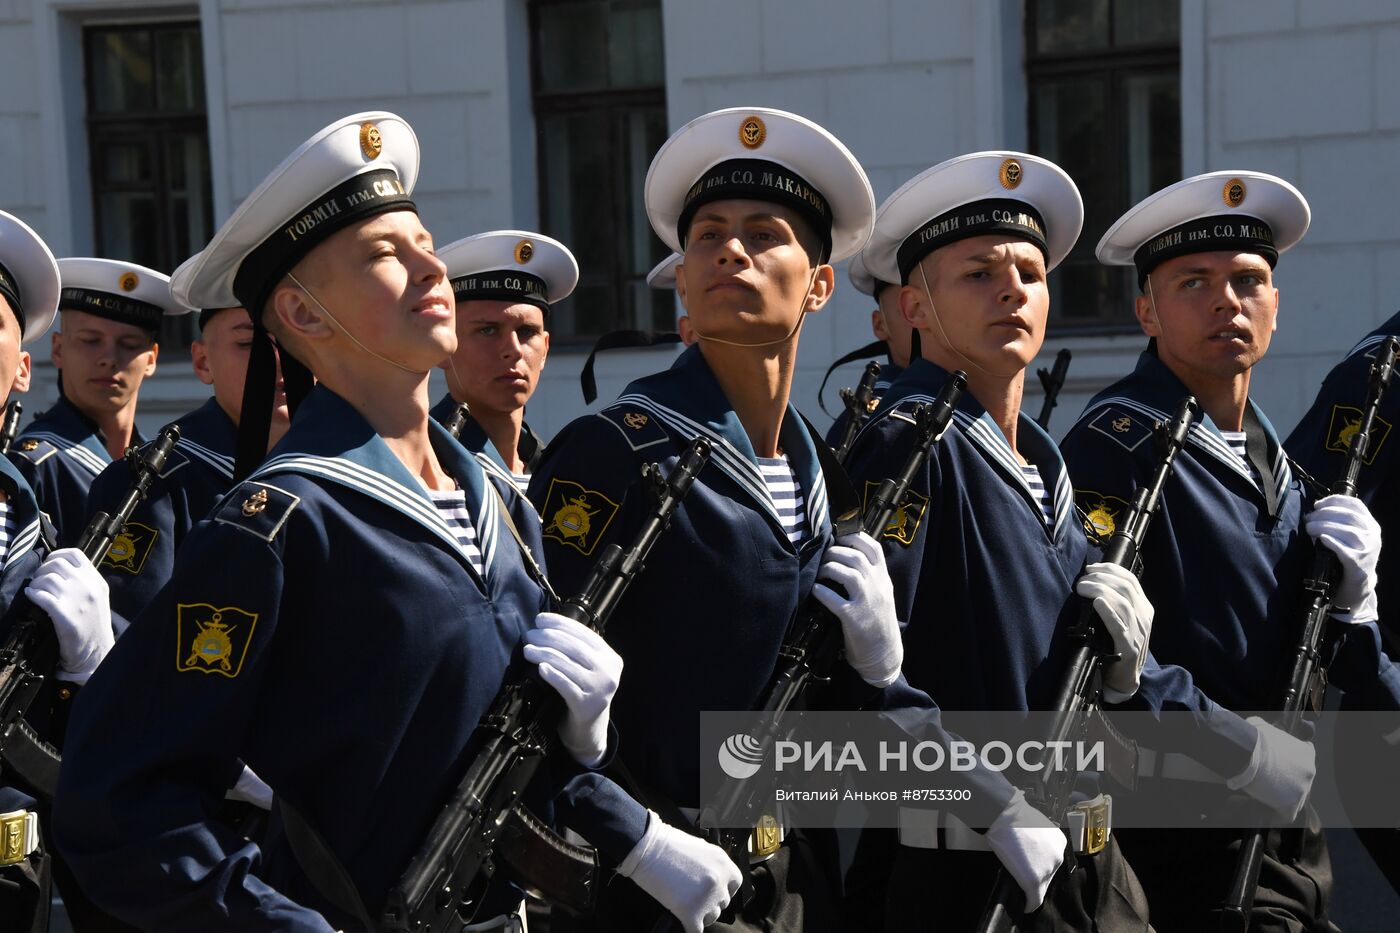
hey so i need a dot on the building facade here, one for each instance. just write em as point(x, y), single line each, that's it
point(132, 129)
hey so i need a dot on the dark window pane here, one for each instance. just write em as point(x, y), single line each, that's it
point(120, 71)
point(129, 227)
point(191, 192)
point(578, 195)
point(634, 45)
point(180, 77)
point(125, 162)
point(1152, 120)
point(1143, 22)
point(1070, 25)
point(573, 46)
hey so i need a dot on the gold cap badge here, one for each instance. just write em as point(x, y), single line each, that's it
point(524, 251)
point(752, 133)
point(128, 281)
point(1010, 174)
point(371, 142)
point(1233, 193)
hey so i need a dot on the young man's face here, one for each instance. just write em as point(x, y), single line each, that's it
point(501, 349)
point(745, 274)
point(890, 326)
point(1213, 314)
point(220, 359)
point(990, 303)
point(382, 281)
point(103, 362)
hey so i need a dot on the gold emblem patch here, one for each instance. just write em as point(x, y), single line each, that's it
point(577, 516)
point(1121, 425)
point(635, 420)
point(212, 639)
point(130, 549)
point(371, 142)
point(1010, 174)
point(255, 503)
point(1233, 193)
point(905, 521)
point(1346, 421)
point(524, 251)
point(752, 133)
point(30, 444)
point(1101, 512)
point(128, 281)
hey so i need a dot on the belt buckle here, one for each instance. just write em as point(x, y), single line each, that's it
point(767, 836)
point(15, 837)
point(1091, 822)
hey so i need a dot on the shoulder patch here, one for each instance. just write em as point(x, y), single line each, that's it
point(1129, 431)
point(257, 508)
point(1346, 421)
point(639, 428)
point(130, 548)
point(34, 450)
point(212, 639)
point(905, 521)
point(1101, 513)
point(576, 516)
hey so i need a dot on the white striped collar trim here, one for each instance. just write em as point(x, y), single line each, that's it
point(220, 463)
point(491, 466)
point(410, 503)
point(1367, 343)
point(738, 467)
point(74, 449)
point(1210, 442)
point(23, 543)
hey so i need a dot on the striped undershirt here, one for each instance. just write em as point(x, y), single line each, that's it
point(782, 485)
point(7, 530)
point(1031, 472)
point(452, 506)
point(1236, 441)
point(522, 482)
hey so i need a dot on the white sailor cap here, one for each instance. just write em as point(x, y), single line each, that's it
point(1010, 193)
point(766, 155)
point(663, 275)
point(510, 265)
point(862, 278)
point(1248, 212)
point(118, 291)
point(28, 277)
point(359, 166)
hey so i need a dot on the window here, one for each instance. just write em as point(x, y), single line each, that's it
point(148, 145)
point(600, 113)
point(1104, 95)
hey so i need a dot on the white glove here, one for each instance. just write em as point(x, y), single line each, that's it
point(1345, 527)
point(1126, 614)
point(690, 877)
point(869, 628)
point(576, 662)
point(250, 788)
point(1280, 771)
point(1029, 847)
point(70, 590)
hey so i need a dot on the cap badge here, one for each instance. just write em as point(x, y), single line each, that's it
point(752, 133)
point(371, 142)
point(1233, 193)
point(1010, 174)
point(128, 281)
point(524, 251)
point(255, 503)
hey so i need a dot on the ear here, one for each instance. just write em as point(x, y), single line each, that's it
point(544, 354)
point(913, 307)
point(23, 372)
point(877, 326)
point(1275, 327)
point(155, 355)
point(680, 282)
point(199, 359)
point(298, 315)
point(823, 286)
point(1146, 313)
point(56, 349)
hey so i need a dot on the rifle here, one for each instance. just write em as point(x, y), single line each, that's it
point(1082, 685)
point(813, 645)
point(30, 649)
point(458, 420)
point(10, 428)
point(484, 822)
point(1052, 381)
point(860, 403)
point(1306, 679)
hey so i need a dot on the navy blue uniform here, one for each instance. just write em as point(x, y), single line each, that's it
point(197, 475)
point(888, 374)
point(529, 448)
point(60, 453)
point(1218, 527)
point(323, 625)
